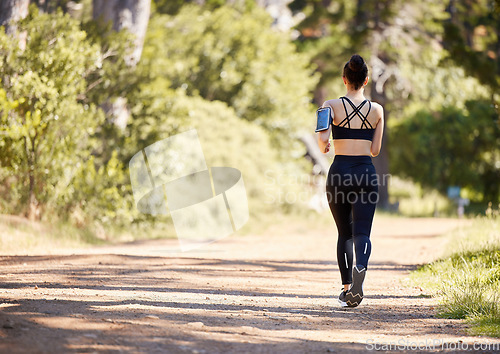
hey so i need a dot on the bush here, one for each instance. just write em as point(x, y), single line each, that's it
point(226, 139)
point(235, 57)
point(44, 124)
point(451, 147)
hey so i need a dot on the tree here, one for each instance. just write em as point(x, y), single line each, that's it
point(132, 15)
point(472, 38)
point(226, 139)
point(399, 40)
point(45, 127)
point(451, 147)
point(235, 57)
point(358, 28)
point(12, 11)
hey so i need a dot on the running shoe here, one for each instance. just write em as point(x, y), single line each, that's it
point(354, 295)
point(342, 298)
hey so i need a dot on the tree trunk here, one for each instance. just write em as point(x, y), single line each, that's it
point(320, 95)
point(134, 16)
point(12, 11)
point(381, 162)
point(33, 212)
point(130, 14)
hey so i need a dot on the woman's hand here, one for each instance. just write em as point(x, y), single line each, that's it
point(327, 148)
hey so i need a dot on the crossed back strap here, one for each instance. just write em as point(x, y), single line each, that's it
point(356, 111)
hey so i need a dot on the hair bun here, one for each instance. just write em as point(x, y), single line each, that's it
point(356, 63)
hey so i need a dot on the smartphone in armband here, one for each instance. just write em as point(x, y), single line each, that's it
point(323, 119)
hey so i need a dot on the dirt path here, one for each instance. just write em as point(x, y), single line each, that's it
point(253, 294)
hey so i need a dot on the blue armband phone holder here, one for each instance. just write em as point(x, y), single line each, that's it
point(323, 118)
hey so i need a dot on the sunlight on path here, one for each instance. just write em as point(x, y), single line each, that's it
point(268, 293)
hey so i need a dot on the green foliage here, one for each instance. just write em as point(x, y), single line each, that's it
point(241, 85)
point(172, 7)
point(471, 36)
point(152, 116)
point(414, 201)
point(468, 279)
point(324, 36)
point(386, 33)
point(230, 141)
point(226, 139)
point(235, 57)
point(45, 128)
point(451, 147)
point(61, 159)
point(112, 77)
point(432, 86)
point(50, 123)
point(100, 195)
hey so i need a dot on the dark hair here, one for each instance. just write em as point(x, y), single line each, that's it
point(356, 71)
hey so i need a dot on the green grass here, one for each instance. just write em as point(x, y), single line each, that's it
point(467, 279)
point(414, 201)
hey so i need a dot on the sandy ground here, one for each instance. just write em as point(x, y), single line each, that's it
point(270, 293)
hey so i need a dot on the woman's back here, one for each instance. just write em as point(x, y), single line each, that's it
point(363, 117)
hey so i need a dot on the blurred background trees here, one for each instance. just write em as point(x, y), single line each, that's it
point(85, 86)
point(234, 56)
point(457, 145)
point(423, 56)
point(12, 11)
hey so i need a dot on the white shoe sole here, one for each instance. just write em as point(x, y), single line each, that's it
point(342, 303)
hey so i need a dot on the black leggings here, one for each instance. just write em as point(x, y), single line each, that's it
point(352, 192)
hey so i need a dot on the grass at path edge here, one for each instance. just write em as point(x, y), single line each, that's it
point(467, 278)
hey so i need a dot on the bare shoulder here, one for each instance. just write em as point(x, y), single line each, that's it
point(377, 107)
point(333, 102)
point(377, 112)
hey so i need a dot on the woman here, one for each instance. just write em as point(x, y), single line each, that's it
point(352, 185)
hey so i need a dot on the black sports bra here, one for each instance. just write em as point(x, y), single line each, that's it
point(366, 131)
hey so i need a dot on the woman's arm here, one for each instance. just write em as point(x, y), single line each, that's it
point(324, 136)
point(323, 140)
point(379, 131)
